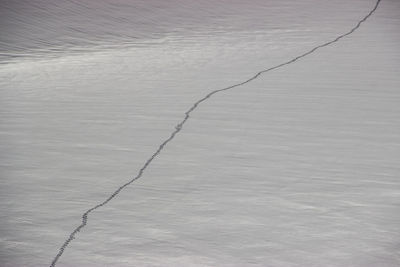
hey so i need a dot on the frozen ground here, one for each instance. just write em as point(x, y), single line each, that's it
point(297, 168)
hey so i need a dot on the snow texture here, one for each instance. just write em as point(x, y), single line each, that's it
point(298, 167)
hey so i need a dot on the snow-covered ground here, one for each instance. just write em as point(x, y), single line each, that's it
point(300, 167)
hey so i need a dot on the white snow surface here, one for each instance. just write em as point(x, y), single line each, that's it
point(300, 167)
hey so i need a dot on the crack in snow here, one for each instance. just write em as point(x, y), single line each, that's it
point(179, 126)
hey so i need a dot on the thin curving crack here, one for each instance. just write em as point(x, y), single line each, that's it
point(179, 127)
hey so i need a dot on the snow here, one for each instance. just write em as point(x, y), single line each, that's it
point(297, 168)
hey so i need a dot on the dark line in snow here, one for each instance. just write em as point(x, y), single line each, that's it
point(179, 126)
